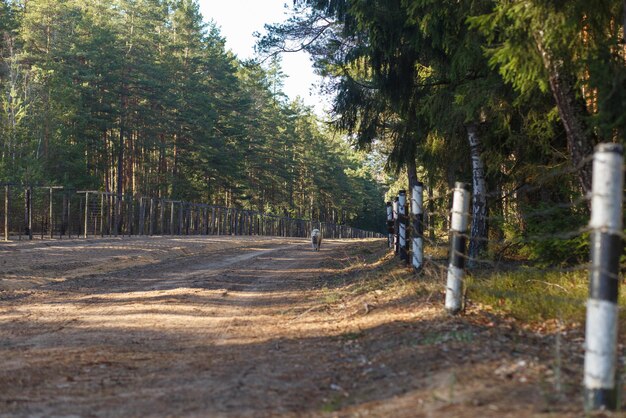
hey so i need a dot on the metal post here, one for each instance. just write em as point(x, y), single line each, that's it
point(402, 221)
point(417, 210)
point(458, 240)
point(601, 388)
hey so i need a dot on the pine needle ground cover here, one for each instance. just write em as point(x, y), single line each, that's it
point(517, 349)
point(179, 328)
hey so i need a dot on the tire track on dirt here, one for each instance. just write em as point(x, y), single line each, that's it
point(197, 335)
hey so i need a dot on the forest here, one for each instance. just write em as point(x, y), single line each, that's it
point(143, 98)
point(508, 117)
point(508, 96)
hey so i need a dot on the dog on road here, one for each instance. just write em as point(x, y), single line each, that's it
point(316, 239)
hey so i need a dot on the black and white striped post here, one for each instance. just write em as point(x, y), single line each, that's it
point(396, 229)
point(417, 210)
point(402, 220)
point(601, 388)
point(458, 239)
point(390, 224)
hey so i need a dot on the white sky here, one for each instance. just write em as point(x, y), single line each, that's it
point(239, 19)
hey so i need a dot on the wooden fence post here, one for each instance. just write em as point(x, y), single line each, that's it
point(101, 215)
point(30, 212)
point(161, 217)
point(142, 216)
point(172, 212)
point(110, 206)
point(131, 215)
point(7, 206)
point(118, 214)
point(181, 225)
point(69, 216)
point(50, 214)
point(86, 221)
point(152, 220)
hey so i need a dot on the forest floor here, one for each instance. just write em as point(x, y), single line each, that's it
point(256, 327)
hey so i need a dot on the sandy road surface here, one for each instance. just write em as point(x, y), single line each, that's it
point(220, 326)
point(158, 327)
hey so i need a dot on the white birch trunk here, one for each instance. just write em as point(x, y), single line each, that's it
point(478, 235)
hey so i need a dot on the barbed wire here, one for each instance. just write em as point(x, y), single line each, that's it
point(524, 231)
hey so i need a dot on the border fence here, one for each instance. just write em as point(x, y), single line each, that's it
point(606, 236)
point(54, 212)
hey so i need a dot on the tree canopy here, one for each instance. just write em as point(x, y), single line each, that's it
point(142, 97)
point(525, 88)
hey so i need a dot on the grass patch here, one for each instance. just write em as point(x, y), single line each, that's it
point(331, 296)
point(534, 295)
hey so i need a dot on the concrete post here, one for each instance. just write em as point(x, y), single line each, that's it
point(600, 384)
point(458, 241)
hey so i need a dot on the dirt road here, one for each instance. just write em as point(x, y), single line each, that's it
point(218, 326)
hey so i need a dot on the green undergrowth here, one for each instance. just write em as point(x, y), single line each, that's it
point(532, 295)
point(529, 294)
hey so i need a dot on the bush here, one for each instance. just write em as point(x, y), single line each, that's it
point(556, 236)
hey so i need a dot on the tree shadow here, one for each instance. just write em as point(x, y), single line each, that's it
point(437, 366)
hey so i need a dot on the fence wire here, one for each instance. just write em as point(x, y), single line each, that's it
point(518, 233)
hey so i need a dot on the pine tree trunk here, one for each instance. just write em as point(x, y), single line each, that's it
point(478, 235)
point(411, 169)
point(572, 112)
point(120, 179)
